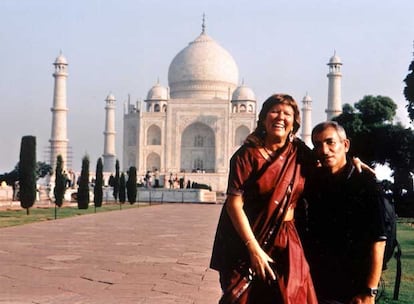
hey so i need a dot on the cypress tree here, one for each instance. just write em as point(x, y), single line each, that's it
point(27, 172)
point(132, 185)
point(60, 181)
point(122, 194)
point(97, 190)
point(116, 181)
point(83, 190)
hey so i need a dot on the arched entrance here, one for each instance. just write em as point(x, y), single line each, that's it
point(198, 148)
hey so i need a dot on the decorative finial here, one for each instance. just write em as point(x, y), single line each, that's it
point(203, 25)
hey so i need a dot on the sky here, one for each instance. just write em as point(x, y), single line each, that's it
point(124, 47)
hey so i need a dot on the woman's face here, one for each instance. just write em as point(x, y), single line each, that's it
point(279, 122)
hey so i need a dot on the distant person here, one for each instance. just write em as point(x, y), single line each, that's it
point(147, 179)
point(156, 178)
point(171, 181)
point(345, 237)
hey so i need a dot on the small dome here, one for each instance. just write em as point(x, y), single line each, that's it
point(243, 93)
point(335, 59)
point(110, 97)
point(61, 60)
point(158, 92)
point(307, 98)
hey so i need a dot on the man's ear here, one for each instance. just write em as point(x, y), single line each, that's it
point(347, 144)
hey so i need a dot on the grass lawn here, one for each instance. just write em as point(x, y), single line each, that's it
point(405, 235)
point(13, 217)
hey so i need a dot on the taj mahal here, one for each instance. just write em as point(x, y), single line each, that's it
point(190, 128)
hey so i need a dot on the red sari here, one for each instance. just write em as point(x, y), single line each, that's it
point(262, 180)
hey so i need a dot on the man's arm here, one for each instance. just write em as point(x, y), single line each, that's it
point(377, 256)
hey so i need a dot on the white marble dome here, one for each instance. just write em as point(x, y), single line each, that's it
point(243, 93)
point(203, 69)
point(157, 92)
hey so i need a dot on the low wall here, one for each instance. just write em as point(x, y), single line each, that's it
point(143, 195)
point(6, 193)
point(176, 195)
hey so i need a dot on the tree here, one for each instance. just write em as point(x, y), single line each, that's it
point(377, 141)
point(376, 110)
point(60, 182)
point(132, 185)
point(97, 190)
point(116, 180)
point(122, 196)
point(368, 125)
point(409, 91)
point(111, 180)
point(27, 172)
point(43, 169)
point(83, 190)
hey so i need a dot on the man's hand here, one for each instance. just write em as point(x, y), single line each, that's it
point(363, 299)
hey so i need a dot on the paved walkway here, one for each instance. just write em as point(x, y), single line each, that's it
point(157, 254)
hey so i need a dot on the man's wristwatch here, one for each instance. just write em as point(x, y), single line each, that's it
point(370, 291)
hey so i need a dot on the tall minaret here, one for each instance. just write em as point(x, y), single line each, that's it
point(59, 140)
point(334, 88)
point(109, 135)
point(307, 120)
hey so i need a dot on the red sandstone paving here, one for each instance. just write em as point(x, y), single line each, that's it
point(157, 254)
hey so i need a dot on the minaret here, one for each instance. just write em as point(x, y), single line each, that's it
point(334, 88)
point(109, 135)
point(307, 120)
point(59, 140)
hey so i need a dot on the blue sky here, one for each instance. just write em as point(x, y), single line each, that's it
point(123, 46)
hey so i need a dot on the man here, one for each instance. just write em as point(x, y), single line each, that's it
point(345, 236)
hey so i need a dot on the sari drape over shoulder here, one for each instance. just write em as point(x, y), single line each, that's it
point(262, 180)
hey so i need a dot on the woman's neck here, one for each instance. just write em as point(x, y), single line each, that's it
point(273, 145)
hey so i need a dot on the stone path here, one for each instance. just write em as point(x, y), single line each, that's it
point(157, 254)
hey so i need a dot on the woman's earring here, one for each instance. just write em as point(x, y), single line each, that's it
point(291, 136)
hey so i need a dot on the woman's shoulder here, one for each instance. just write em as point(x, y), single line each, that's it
point(246, 151)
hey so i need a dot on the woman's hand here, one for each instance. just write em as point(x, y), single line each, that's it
point(260, 261)
point(362, 166)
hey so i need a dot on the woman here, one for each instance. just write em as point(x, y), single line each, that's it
point(256, 234)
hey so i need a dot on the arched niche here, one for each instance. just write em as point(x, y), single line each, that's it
point(153, 135)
